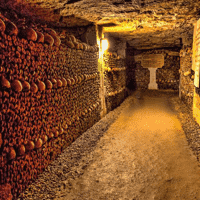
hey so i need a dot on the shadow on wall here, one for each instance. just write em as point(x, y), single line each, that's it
point(130, 81)
point(137, 76)
point(130, 72)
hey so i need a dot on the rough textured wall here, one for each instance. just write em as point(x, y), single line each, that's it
point(186, 76)
point(167, 77)
point(114, 80)
point(49, 95)
point(147, 24)
point(137, 76)
point(195, 67)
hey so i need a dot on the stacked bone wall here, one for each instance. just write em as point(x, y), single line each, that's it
point(114, 80)
point(186, 76)
point(49, 96)
point(168, 76)
point(137, 76)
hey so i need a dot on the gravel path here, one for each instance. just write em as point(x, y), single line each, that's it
point(137, 152)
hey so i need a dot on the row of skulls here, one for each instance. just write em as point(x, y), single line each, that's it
point(49, 36)
point(18, 85)
point(167, 81)
point(72, 43)
point(116, 92)
point(114, 69)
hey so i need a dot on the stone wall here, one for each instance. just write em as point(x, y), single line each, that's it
point(195, 67)
point(49, 94)
point(186, 76)
point(167, 77)
point(114, 80)
point(137, 76)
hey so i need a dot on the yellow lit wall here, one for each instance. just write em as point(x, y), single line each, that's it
point(195, 67)
point(196, 107)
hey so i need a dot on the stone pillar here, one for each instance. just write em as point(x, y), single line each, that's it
point(152, 62)
point(152, 85)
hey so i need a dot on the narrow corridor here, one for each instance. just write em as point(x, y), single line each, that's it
point(144, 155)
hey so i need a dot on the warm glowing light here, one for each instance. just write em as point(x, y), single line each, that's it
point(98, 42)
point(104, 45)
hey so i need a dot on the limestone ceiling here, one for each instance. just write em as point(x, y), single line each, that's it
point(142, 23)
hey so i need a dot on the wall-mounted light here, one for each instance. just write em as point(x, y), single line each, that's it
point(104, 47)
point(104, 44)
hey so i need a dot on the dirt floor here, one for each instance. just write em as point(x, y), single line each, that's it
point(143, 155)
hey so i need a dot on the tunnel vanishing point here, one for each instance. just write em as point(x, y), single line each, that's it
point(65, 64)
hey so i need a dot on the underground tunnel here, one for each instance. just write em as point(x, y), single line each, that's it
point(99, 99)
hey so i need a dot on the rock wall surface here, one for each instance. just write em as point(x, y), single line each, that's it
point(49, 95)
point(195, 67)
point(186, 76)
point(144, 24)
